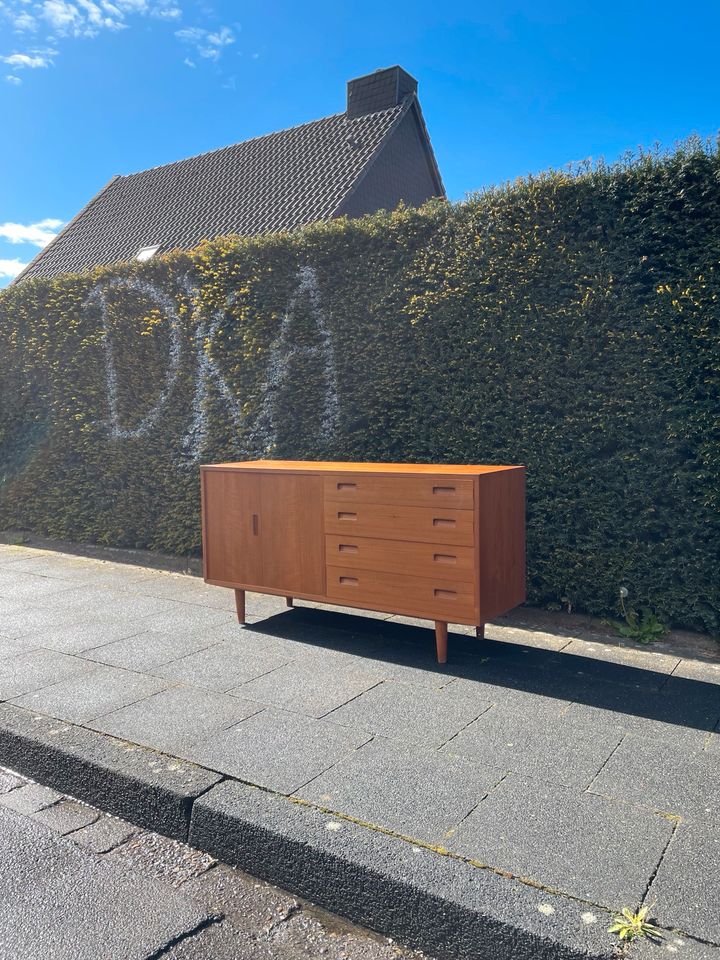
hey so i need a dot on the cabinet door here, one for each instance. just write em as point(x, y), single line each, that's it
point(291, 532)
point(231, 527)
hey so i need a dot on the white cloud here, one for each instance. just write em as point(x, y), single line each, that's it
point(83, 18)
point(24, 22)
point(31, 60)
point(59, 20)
point(11, 268)
point(11, 78)
point(208, 43)
point(38, 234)
point(62, 17)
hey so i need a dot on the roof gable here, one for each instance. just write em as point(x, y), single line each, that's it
point(268, 184)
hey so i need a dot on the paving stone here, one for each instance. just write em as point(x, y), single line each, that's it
point(683, 712)
point(92, 694)
point(222, 666)
point(647, 659)
point(174, 719)
point(187, 588)
point(104, 834)
point(9, 781)
point(428, 717)
point(522, 699)
point(293, 636)
point(23, 619)
point(674, 944)
point(66, 816)
point(27, 586)
point(592, 847)
point(664, 776)
point(146, 651)
point(538, 742)
point(36, 669)
point(12, 552)
point(312, 689)
point(62, 566)
point(189, 617)
point(328, 608)
point(77, 637)
point(11, 648)
point(397, 786)
point(703, 670)
point(277, 750)
point(529, 638)
point(704, 694)
point(30, 798)
point(584, 661)
point(88, 598)
point(685, 888)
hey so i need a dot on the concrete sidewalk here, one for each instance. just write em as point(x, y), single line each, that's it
point(565, 777)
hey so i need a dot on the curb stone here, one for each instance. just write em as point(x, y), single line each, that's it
point(441, 905)
point(137, 784)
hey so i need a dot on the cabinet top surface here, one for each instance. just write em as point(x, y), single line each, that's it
point(315, 466)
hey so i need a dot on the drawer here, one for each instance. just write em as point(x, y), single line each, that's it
point(413, 491)
point(386, 521)
point(449, 561)
point(433, 598)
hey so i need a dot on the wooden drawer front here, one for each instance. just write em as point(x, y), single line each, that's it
point(398, 522)
point(448, 561)
point(413, 491)
point(434, 598)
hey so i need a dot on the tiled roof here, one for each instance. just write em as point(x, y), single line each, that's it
point(271, 183)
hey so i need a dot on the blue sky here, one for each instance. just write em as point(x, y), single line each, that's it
point(91, 88)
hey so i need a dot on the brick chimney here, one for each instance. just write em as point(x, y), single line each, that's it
point(379, 91)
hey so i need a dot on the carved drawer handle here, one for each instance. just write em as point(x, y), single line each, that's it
point(440, 522)
point(255, 524)
point(349, 581)
point(347, 548)
point(347, 486)
point(346, 516)
point(443, 490)
point(444, 558)
point(445, 594)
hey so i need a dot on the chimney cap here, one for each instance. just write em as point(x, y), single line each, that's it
point(380, 90)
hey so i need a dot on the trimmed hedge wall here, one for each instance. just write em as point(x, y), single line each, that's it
point(569, 322)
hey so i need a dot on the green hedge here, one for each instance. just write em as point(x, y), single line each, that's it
point(568, 322)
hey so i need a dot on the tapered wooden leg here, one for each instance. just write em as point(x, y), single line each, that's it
point(441, 641)
point(480, 631)
point(289, 601)
point(240, 605)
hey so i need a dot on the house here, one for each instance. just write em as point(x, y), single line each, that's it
point(371, 157)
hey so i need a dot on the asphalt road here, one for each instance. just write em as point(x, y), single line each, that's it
point(146, 897)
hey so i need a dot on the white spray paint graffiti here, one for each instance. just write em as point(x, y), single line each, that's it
point(264, 434)
point(206, 370)
point(284, 351)
point(165, 303)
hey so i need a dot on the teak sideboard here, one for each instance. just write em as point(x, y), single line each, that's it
point(446, 543)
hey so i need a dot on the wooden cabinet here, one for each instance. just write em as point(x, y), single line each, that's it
point(446, 543)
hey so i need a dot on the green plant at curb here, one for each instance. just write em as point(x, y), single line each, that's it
point(642, 626)
point(629, 926)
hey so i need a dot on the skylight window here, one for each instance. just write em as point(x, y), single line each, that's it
point(144, 253)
